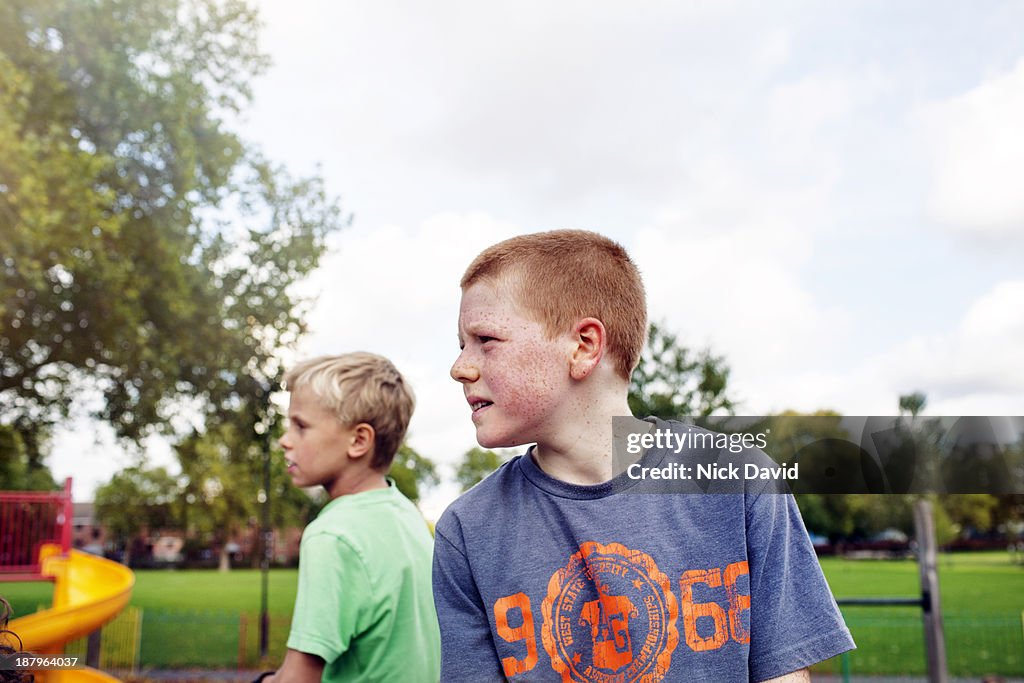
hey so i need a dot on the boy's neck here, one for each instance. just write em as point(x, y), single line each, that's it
point(581, 453)
point(357, 482)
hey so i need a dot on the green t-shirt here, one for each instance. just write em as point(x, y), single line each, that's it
point(365, 603)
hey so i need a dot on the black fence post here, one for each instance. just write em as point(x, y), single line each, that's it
point(92, 649)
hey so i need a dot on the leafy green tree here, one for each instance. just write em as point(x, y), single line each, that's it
point(912, 403)
point(797, 430)
point(137, 498)
point(673, 381)
point(413, 472)
point(149, 252)
point(222, 472)
point(969, 511)
point(833, 515)
point(1008, 517)
point(16, 473)
point(476, 464)
point(830, 515)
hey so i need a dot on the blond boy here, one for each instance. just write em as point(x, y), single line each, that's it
point(551, 569)
point(364, 609)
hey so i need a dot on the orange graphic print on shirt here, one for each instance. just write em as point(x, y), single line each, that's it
point(610, 615)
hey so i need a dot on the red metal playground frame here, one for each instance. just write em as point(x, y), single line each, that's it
point(27, 520)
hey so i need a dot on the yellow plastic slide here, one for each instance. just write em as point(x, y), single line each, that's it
point(88, 592)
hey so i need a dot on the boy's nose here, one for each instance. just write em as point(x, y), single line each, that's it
point(463, 371)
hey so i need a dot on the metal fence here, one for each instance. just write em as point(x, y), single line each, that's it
point(889, 642)
point(27, 520)
point(185, 639)
point(119, 644)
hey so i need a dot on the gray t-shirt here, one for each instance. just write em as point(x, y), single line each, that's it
point(536, 579)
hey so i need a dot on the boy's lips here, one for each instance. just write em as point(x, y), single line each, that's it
point(478, 404)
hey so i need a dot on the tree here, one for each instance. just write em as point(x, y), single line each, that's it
point(912, 403)
point(476, 464)
point(831, 515)
point(971, 511)
point(673, 381)
point(16, 473)
point(137, 498)
point(412, 471)
point(222, 471)
point(148, 250)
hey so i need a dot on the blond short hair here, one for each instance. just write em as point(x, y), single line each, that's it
point(564, 275)
point(360, 387)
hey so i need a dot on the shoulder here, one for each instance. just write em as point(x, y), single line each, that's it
point(494, 486)
point(499, 489)
point(339, 525)
point(329, 522)
point(324, 541)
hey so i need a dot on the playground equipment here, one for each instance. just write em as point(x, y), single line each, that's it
point(89, 591)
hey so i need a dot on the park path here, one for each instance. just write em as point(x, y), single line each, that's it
point(233, 676)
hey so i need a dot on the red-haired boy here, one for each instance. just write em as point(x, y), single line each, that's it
point(553, 569)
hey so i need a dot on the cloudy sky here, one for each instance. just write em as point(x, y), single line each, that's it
point(830, 195)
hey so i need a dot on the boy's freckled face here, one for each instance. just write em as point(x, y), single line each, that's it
point(514, 377)
point(315, 443)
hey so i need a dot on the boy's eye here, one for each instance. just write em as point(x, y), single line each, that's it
point(484, 339)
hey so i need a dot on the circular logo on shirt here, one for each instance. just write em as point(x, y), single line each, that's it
point(610, 615)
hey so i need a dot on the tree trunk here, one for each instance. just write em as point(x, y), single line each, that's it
point(225, 559)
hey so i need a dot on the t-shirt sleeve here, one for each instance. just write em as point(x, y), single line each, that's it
point(467, 651)
point(333, 588)
point(794, 620)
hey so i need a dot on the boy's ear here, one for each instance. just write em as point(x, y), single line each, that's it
point(591, 338)
point(363, 437)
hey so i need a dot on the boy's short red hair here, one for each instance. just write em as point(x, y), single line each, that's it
point(562, 276)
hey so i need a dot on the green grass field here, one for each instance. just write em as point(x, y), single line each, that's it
point(193, 618)
point(206, 619)
point(982, 602)
point(235, 591)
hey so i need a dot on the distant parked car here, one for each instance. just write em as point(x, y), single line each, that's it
point(890, 536)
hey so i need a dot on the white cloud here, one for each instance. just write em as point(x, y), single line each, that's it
point(723, 270)
point(981, 356)
point(90, 453)
point(977, 145)
point(763, 147)
point(808, 122)
point(973, 368)
point(558, 101)
point(398, 287)
point(395, 291)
